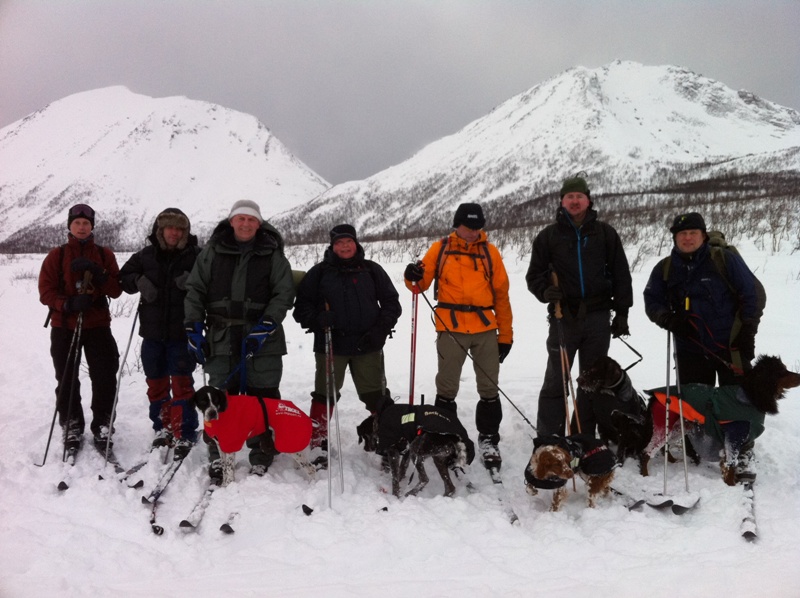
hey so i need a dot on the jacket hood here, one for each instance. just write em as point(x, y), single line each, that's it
point(172, 217)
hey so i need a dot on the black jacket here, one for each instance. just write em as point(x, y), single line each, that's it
point(590, 263)
point(358, 292)
point(162, 319)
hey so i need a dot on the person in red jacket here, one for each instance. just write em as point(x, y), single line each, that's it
point(474, 310)
point(76, 279)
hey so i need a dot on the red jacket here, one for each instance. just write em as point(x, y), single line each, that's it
point(57, 282)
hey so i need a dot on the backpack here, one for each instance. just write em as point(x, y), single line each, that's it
point(444, 251)
point(719, 247)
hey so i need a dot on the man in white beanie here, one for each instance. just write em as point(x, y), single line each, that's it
point(239, 292)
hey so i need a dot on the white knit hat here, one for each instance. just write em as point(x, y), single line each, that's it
point(246, 207)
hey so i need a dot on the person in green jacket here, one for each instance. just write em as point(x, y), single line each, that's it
point(237, 296)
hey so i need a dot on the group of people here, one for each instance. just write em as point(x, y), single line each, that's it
point(223, 307)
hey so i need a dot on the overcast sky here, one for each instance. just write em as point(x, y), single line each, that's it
point(353, 87)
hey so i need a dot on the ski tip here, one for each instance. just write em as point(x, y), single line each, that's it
point(225, 528)
point(514, 520)
point(146, 501)
point(185, 524)
point(137, 485)
point(63, 486)
point(750, 536)
point(307, 510)
point(157, 529)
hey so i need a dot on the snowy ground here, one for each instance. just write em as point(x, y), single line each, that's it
point(95, 537)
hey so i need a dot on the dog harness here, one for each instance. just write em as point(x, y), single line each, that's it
point(588, 455)
point(400, 424)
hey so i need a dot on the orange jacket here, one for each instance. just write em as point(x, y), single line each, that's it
point(464, 282)
point(57, 283)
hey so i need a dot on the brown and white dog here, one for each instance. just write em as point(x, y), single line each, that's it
point(556, 459)
point(230, 420)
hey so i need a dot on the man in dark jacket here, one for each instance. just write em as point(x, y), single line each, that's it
point(711, 315)
point(356, 300)
point(75, 282)
point(159, 273)
point(593, 278)
point(239, 290)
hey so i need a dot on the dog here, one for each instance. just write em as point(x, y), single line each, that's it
point(728, 418)
point(622, 415)
point(231, 420)
point(404, 433)
point(556, 459)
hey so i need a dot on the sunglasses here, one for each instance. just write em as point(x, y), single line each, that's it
point(81, 210)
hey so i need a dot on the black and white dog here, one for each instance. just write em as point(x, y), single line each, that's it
point(232, 420)
point(406, 433)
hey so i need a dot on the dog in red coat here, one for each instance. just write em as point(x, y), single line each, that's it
point(230, 420)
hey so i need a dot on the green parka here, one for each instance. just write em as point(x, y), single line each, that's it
point(234, 286)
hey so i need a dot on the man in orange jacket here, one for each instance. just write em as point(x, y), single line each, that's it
point(473, 316)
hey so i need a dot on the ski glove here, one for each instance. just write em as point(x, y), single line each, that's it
point(180, 280)
point(147, 289)
point(414, 272)
point(503, 349)
point(259, 335)
point(78, 303)
point(619, 326)
point(82, 264)
point(197, 344)
point(372, 341)
point(325, 319)
point(678, 324)
point(746, 341)
point(553, 294)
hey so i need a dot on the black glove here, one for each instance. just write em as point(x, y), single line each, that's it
point(503, 349)
point(259, 334)
point(678, 324)
point(553, 294)
point(147, 289)
point(82, 264)
point(414, 272)
point(372, 341)
point(619, 326)
point(180, 280)
point(198, 346)
point(325, 319)
point(78, 303)
point(745, 341)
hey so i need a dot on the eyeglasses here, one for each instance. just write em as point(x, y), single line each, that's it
point(81, 210)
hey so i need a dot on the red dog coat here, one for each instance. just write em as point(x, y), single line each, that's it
point(244, 418)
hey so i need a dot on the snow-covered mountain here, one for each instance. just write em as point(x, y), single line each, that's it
point(129, 156)
point(635, 130)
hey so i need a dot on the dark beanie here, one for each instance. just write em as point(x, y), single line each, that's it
point(80, 210)
point(692, 220)
point(575, 185)
point(343, 231)
point(470, 215)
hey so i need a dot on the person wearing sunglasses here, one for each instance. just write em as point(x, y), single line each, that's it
point(76, 281)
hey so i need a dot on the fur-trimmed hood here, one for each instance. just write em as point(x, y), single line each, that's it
point(172, 217)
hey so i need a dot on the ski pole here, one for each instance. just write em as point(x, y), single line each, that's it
point(666, 416)
point(566, 369)
point(116, 393)
point(680, 411)
point(61, 386)
point(412, 368)
point(76, 364)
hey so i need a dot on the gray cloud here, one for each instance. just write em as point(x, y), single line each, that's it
point(354, 87)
